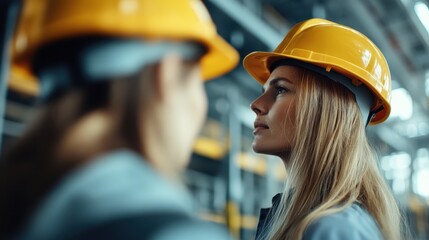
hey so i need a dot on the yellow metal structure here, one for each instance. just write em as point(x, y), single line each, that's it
point(233, 219)
point(334, 47)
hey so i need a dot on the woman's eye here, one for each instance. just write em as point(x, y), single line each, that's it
point(281, 90)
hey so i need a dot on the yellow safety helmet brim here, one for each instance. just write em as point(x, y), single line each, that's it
point(179, 20)
point(310, 44)
point(220, 59)
point(23, 82)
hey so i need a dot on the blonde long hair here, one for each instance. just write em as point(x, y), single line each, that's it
point(331, 164)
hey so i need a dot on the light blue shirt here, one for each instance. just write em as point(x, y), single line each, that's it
point(116, 186)
point(352, 223)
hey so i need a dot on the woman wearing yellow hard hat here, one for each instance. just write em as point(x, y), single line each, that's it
point(321, 86)
point(121, 83)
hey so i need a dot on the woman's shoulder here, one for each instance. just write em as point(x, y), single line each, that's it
point(156, 225)
point(353, 223)
point(112, 187)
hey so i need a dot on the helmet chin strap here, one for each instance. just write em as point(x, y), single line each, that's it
point(372, 114)
point(363, 96)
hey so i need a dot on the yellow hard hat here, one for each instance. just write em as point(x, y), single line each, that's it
point(23, 82)
point(334, 48)
point(47, 21)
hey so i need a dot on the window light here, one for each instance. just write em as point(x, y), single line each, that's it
point(402, 104)
point(422, 12)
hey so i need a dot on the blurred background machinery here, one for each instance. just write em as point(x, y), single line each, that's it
point(229, 181)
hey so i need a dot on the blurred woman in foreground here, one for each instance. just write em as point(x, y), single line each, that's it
point(124, 101)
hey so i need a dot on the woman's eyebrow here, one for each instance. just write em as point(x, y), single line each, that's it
point(276, 80)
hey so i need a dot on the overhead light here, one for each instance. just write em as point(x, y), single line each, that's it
point(421, 172)
point(396, 167)
point(422, 12)
point(422, 159)
point(420, 185)
point(402, 104)
point(415, 129)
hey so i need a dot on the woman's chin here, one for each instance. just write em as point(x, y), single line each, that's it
point(258, 149)
point(283, 153)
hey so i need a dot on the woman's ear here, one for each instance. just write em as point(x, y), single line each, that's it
point(167, 75)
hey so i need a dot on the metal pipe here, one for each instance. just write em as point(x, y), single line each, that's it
point(9, 11)
point(249, 21)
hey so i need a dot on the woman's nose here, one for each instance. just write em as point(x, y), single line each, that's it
point(257, 107)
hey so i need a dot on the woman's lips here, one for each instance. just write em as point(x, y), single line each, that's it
point(258, 126)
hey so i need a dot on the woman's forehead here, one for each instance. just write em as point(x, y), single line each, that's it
point(284, 72)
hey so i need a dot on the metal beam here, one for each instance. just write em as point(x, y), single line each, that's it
point(9, 11)
point(409, 8)
point(249, 21)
